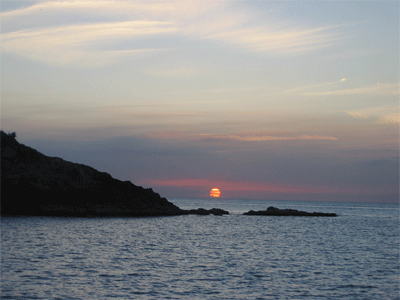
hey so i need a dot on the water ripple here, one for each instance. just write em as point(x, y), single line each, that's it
point(201, 257)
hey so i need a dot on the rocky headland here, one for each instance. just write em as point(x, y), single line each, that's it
point(38, 185)
point(273, 211)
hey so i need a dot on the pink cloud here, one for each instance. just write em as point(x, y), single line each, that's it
point(249, 137)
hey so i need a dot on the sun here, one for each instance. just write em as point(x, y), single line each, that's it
point(215, 193)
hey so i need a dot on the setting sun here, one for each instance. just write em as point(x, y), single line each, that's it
point(215, 193)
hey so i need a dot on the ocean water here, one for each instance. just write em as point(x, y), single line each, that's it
point(352, 256)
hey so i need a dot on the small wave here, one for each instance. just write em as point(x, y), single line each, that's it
point(356, 286)
point(107, 275)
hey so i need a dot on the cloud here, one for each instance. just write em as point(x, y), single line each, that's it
point(312, 86)
point(334, 88)
point(76, 43)
point(75, 32)
point(239, 186)
point(259, 138)
point(378, 89)
point(284, 41)
point(249, 137)
point(379, 114)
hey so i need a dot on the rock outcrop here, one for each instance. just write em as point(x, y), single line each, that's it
point(202, 211)
point(35, 184)
point(272, 211)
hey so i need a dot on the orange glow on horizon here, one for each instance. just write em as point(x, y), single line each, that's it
point(215, 193)
point(233, 188)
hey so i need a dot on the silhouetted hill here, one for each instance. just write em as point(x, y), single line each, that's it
point(35, 184)
point(38, 185)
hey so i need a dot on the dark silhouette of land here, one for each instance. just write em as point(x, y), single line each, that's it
point(38, 185)
point(272, 211)
point(34, 184)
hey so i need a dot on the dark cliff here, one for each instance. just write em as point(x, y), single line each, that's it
point(35, 184)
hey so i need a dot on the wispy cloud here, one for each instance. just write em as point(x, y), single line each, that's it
point(336, 88)
point(75, 32)
point(312, 87)
point(263, 39)
point(378, 89)
point(76, 43)
point(379, 114)
point(249, 137)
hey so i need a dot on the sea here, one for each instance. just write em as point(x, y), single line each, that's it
point(352, 256)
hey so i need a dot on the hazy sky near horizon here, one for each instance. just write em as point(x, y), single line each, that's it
point(261, 99)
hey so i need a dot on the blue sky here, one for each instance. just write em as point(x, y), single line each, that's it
point(269, 100)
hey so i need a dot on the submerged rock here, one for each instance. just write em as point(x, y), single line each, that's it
point(273, 211)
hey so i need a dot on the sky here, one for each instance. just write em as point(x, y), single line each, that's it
point(279, 100)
